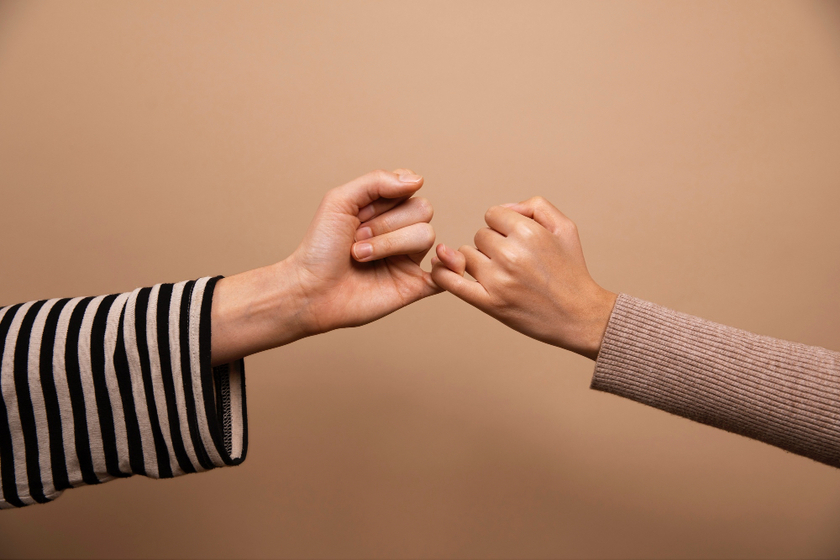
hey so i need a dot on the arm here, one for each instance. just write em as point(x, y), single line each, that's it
point(358, 262)
point(105, 387)
point(151, 382)
point(530, 274)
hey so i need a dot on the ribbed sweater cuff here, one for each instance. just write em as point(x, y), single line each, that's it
point(783, 393)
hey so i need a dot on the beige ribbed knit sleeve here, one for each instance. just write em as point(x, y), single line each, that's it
point(783, 393)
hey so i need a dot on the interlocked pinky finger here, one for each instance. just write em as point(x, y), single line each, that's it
point(476, 261)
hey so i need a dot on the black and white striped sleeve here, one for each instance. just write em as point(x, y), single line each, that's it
point(104, 387)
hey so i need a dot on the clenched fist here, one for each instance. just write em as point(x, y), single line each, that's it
point(530, 274)
point(359, 261)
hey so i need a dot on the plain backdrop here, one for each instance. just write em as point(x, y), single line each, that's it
point(696, 145)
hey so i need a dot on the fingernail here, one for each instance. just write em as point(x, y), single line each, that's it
point(446, 250)
point(366, 213)
point(364, 233)
point(363, 250)
point(435, 260)
point(409, 178)
point(508, 204)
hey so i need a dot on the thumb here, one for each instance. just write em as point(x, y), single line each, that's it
point(372, 186)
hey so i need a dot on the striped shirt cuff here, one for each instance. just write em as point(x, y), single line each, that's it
point(105, 387)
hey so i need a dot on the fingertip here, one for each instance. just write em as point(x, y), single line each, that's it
point(410, 178)
point(364, 233)
point(362, 252)
point(367, 213)
point(448, 252)
point(406, 185)
point(443, 252)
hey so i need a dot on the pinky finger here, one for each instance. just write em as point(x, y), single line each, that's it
point(454, 260)
point(468, 290)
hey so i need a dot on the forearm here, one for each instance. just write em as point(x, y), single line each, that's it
point(780, 392)
point(256, 310)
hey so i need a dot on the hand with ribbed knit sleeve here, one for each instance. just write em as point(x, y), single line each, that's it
point(530, 274)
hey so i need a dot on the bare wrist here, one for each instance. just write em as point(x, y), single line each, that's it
point(599, 318)
point(255, 311)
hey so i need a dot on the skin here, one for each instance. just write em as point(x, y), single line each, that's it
point(358, 261)
point(531, 275)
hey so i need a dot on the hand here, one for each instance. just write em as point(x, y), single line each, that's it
point(359, 261)
point(530, 275)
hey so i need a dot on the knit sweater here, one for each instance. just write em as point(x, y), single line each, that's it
point(105, 387)
point(783, 393)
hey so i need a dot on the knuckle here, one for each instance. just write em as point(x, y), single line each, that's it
point(427, 234)
point(568, 228)
point(425, 208)
point(511, 256)
point(381, 175)
point(539, 201)
point(524, 230)
point(332, 195)
point(506, 281)
point(481, 236)
point(489, 214)
point(381, 224)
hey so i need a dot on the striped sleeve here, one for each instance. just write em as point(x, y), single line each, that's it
point(97, 388)
point(783, 393)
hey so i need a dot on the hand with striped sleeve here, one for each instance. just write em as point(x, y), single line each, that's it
point(151, 382)
point(359, 261)
point(105, 387)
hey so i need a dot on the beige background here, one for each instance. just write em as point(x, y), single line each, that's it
point(697, 146)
